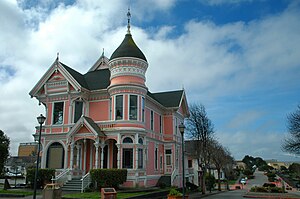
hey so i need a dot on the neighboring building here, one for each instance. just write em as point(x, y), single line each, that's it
point(192, 169)
point(240, 165)
point(18, 165)
point(107, 118)
point(27, 149)
point(277, 165)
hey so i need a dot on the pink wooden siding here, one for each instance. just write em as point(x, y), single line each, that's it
point(99, 110)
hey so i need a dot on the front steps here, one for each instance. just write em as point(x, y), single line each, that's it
point(73, 185)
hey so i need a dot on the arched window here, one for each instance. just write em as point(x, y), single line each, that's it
point(55, 156)
point(141, 141)
point(127, 140)
point(127, 154)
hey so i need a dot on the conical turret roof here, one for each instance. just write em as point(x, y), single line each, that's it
point(128, 48)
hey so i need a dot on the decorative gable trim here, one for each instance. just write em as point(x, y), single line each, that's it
point(88, 124)
point(54, 68)
point(184, 105)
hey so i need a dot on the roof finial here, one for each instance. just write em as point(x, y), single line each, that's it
point(102, 52)
point(128, 22)
point(57, 56)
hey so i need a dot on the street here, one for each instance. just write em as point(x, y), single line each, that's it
point(259, 180)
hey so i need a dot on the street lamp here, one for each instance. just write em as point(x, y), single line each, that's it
point(41, 119)
point(181, 129)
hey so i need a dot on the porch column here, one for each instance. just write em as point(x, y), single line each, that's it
point(77, 157)
point(102, 154)
point(135, 152)
point(119, 156)
point(96, 154)
point(72, 154)
point(84, 156)
point(136, 157)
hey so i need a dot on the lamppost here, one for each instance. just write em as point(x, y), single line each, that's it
point(181, 129)
point(41, 119)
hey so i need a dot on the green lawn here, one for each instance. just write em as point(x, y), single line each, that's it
point(19, 192)
point(94, 195)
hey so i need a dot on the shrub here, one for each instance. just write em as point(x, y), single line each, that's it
point(259, 189)
point(162, 185)
point(248, 172)
point(210, 181)
point(269, 185)
point(44, 177)
point(191, 186)
point(276, 190)
point(271, 175)
point(174, 192)
point(108, 177)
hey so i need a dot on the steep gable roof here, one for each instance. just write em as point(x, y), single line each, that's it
point(88, 122)
point(93, 80)
point(76, 75)
point(169, 99)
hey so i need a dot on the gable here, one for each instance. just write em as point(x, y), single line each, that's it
point(56, 79)
point(85, 125)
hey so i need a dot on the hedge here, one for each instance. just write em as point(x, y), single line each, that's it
point(44, 177)
point(108, 177)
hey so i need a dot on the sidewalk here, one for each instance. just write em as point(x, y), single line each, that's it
point(271, 195)
point(200, 195)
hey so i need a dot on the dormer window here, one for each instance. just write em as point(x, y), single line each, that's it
point(58, 113)
point(119, 107)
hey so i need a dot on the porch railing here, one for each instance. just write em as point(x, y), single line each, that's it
point(173, 176)
point(85, 181)
point(62, 177)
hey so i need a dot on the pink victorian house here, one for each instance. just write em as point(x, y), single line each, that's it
point(107, 118)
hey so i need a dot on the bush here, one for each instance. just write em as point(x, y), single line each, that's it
point(174, 192)
point(162, 185)
point(267, 188)
point(44, 177)
point(271, 175)
point(259, 189)
point(191, 186)
point(269, 185)
point(276, 190)
point(248, 172)
point(108, 177)
point(210, 181)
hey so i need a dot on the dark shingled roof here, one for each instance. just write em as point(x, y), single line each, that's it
point(94, 80)
point(100, 79)
point(168, 99)
point(128, 48)
point(94, 125)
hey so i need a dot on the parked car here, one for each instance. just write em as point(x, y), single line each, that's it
point(243, 181)
point(10, 174)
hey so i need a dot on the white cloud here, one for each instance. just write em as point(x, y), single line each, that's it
point(208, 60)
point(221, 2)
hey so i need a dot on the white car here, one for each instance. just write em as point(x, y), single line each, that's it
point(243, 181)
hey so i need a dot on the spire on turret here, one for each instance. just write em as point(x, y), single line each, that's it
point(128, 21)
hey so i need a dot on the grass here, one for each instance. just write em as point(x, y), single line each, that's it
point(19, 192)
point(231, 182)
point(94, 195)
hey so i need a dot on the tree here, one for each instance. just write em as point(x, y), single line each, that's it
point(200, 129)
point(252, 162)
point(295, 168)
point(292, 143)
point(220, 157)
point(4, 150)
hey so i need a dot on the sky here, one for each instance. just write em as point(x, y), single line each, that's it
point(239, 58)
